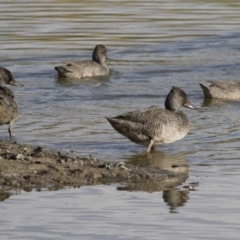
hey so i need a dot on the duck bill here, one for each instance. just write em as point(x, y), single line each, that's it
point(189, 105)
point(13, 82)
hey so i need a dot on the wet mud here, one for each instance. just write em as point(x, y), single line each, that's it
point(33, 167)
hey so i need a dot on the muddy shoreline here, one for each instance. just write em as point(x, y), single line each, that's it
point(33, 167)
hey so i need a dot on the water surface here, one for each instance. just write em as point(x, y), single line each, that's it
point(152, 46)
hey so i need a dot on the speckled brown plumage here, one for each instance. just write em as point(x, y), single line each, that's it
point(8, 106)
point(153, 126)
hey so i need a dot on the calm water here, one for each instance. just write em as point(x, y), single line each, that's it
point(152, 46)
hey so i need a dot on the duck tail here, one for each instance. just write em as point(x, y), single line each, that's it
point(61, 70)
point(206, 90)
point(114, 122)
point(110, 120)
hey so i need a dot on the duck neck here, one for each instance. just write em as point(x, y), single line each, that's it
point(170, 106)
point(102, 62)
point(98, 58)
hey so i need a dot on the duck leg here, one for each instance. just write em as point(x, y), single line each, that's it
point(150, 146)
point(10, 130)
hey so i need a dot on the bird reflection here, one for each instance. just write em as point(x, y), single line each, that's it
point(213, 102)
point(175, 168)
point(174, 163)
point(73, 81)
point(173, 171)
point(175, 198)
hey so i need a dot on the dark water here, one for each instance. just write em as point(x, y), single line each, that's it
point(152, 46)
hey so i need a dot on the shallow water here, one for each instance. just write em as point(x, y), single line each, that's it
point(151, 46)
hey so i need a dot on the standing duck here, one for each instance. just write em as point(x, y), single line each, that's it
point(7, 78)
point(86, 68)
point(224, 90)
point(154, 126)
point(8, 106)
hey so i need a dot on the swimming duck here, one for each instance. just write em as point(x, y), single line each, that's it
point(154, 126)
point(224, 90)
point(8, 106)
point(80, 69)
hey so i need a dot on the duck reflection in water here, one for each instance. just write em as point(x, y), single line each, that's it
point(213, 102)
point(175, 198)
point(173, 171)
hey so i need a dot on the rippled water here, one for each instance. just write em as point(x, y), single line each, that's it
point(151, 46)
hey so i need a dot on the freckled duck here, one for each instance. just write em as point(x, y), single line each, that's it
point(7, 78)
point(224, 90)
point(8, 106)
point(80, 69)
point(154, 126)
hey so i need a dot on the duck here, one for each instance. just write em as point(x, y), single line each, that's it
point(155, 126)
point(6, 77)
point(8, 105)
point(223, 90)
point(86, 68)
point(8, 108)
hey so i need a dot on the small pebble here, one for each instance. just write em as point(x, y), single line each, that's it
point(20, 156)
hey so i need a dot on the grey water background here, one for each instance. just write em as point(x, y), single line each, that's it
point(152, 46)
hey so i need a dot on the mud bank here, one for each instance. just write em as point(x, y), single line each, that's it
point(27, 167)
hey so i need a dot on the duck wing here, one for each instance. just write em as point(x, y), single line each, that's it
point(140, 126)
